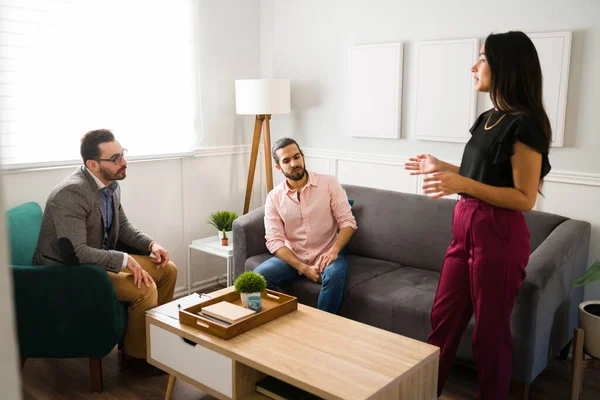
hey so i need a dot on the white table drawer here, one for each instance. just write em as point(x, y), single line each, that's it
point(198, 363)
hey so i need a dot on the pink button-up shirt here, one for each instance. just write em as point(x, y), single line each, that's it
point(308, 227)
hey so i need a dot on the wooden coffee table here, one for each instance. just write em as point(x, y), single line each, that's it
point(330, 356)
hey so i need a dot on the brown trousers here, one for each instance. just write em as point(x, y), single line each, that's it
point(141, 300)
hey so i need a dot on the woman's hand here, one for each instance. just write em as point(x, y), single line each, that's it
point(444, 183)
point(423, 164)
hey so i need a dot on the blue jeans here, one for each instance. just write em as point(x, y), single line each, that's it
point(277, 272)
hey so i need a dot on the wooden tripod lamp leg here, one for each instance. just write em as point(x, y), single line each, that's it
point(267, 143)
point(253, 157)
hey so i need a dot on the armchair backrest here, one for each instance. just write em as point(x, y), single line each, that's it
point(24, 222)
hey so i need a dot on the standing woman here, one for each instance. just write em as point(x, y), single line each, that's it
point(501, 171)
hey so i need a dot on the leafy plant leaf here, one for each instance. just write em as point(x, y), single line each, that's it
point(250, 282)
point(591, 275)
point(222, 220)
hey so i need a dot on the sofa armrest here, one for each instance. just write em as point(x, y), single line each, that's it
point(248, 238)
point(66, 311)
point(545, 313)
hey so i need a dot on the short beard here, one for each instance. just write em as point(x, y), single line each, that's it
point(108, 176)
point(298, 176)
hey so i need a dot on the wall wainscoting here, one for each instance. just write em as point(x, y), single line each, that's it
point(215, 179)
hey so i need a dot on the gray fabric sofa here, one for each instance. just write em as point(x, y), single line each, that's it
point(394, 261)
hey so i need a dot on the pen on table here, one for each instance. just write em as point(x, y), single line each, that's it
point(201, 296)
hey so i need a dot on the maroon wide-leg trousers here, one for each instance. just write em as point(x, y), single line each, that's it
point(482, 273)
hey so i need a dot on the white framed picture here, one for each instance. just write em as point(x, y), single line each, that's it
point(375, 90)
point(446, 99)
point(554, 52)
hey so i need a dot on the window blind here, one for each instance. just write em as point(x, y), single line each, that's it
point(70, 66)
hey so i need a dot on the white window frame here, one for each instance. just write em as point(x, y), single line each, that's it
point(158, 141)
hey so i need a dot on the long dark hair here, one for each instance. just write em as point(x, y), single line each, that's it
point(516, 85)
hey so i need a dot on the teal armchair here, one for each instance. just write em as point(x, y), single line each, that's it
point(62, 311)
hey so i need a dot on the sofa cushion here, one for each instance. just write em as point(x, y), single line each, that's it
point(415, 231)
point(255, 261)
point(404, 228)
point(360, 270)
point(24, 222)
point(399, 301)
point(541, 225)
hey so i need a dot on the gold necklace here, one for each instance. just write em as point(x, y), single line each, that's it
point(486, 127)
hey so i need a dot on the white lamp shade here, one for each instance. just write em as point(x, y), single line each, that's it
point(262, 96)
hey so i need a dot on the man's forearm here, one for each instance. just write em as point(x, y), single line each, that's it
point(343, 238)
point(110, 260)
point(286, 255)
point(132, 236)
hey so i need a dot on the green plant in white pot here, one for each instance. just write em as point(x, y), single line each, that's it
point(223, 221)
point(250, 286)
point(589, 312)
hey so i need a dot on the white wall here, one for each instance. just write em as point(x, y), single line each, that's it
point(229, 34)
point(308, 42)
point(10, 382)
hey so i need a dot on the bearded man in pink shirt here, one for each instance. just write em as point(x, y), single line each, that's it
point(308, 222)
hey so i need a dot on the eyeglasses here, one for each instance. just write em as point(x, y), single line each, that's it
point(116, 159)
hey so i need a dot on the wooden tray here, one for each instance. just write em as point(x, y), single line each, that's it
point(274, 305)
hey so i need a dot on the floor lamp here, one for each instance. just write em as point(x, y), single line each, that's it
point(262, 98)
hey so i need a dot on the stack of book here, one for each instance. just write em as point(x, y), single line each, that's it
point(225, 313)
point(279, 390)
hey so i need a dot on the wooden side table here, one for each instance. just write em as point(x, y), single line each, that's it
point(211, 245)
point(579, 363)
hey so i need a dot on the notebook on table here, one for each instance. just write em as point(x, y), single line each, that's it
point(227, 312)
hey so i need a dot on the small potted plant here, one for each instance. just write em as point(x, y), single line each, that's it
point(250, 285)
point(223, 221)
point(224, 240)
point(589, 312)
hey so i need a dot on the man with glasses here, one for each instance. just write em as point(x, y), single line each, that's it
point(82, 224)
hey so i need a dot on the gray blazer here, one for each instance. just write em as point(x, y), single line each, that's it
point(72, 229)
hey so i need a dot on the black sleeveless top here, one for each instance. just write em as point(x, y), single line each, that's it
point(487, 154)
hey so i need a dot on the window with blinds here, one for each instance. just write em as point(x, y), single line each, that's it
point(70, 66)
